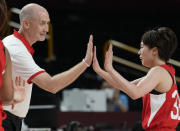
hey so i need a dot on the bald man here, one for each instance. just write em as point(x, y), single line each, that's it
point(34, 21)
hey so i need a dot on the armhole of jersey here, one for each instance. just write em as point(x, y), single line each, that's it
point(155, 92)
point(171, 77)
point(4, 55)
point(158, 93)
point(4, 60)
point(4, 49)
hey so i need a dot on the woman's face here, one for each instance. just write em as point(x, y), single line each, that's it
point(146, 55)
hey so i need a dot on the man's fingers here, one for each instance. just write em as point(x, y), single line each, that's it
point(90, 44)
point(16, 81)
point(20, 81)
point(24, 82)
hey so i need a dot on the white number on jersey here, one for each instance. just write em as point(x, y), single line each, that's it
point(175, 114)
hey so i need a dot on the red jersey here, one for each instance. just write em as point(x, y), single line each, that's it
point(161, 112)
point(2, 68)
point(2, 61)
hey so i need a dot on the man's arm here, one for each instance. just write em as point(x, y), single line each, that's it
point(61, 80)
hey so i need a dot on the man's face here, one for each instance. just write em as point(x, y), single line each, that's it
point(40, 26)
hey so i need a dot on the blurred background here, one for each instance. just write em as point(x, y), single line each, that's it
point(85, 102)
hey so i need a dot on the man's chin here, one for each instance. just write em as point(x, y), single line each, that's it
point(42, 39)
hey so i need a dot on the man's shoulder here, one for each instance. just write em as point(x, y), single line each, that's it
point(10, 39)
point(12, 44)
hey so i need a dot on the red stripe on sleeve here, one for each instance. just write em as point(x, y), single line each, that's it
point(34, 75)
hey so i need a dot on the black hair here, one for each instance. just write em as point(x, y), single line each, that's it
point(164, 39)
point(3, 13)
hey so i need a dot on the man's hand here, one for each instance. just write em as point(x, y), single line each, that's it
point(19, 90)
point(89, 52)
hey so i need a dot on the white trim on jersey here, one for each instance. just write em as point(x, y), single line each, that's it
point(156, 102)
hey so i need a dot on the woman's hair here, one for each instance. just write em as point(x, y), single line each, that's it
point(3, 13)
point(164, 39)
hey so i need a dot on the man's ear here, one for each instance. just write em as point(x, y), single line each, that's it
point(25, 23)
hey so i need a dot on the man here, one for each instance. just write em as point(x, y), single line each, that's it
point(34, 21)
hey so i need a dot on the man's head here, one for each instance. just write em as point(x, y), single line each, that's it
point(34, 21)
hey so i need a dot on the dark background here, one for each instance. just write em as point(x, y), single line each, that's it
point(122, 20)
